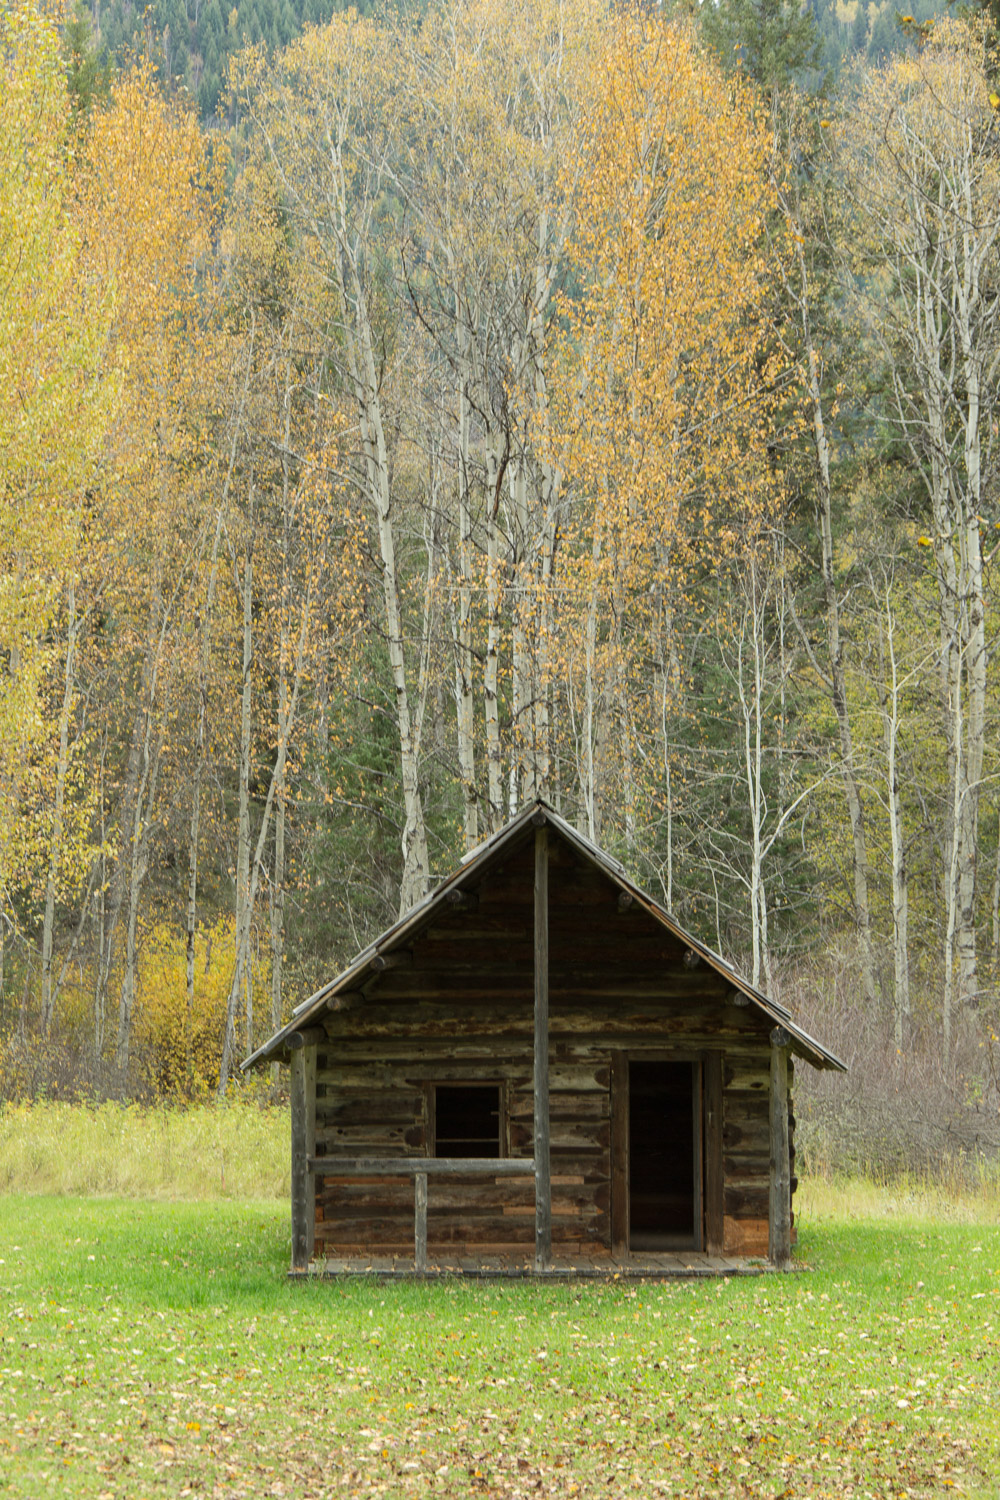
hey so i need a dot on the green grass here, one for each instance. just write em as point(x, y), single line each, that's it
point(157, 1349)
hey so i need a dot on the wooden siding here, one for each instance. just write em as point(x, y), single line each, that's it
point(460, 1009)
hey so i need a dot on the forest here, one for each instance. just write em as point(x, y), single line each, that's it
point(455, 404)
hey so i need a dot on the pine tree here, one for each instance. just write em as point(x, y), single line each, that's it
point(87, 68)
point(771, 40)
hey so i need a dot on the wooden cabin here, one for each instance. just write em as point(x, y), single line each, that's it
point(538, 1068)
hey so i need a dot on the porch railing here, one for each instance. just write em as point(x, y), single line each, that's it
point(420, 1168)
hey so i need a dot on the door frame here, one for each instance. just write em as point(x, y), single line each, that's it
point(707, 1165)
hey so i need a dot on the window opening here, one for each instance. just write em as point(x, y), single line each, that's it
point(467, 1120)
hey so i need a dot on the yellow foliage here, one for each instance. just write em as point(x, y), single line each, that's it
point(663, 399)
point(181, 1047)
point(56, 395)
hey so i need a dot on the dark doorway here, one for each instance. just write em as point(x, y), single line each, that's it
point(664, 1156)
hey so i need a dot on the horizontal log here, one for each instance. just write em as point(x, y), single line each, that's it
point(747, 1105)
point(459, 900)
point(587, 1135)
point(746, 1141)
point(309, 1036)
point(471, 925)
point(371, 1107)
point(402, 958)
point(747, 1175)
point(749, 1203)
point(362, 1074)
point(419, 1000)
point(466, 975)
point(746, 1077)
point(445, 1194)
point(478, 1034)
point(451, 1209)
point(409, 1166)
point(563, 1105)
point(744, 1236)
point(377, 1139)
point(346, 1000)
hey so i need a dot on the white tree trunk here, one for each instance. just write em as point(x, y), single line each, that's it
point(55, 847)
point(244, 910)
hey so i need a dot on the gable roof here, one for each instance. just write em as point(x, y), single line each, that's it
point(473, 866)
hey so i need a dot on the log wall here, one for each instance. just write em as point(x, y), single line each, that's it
point(459, 1009)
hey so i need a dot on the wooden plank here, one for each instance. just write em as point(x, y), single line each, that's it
point(779, 1247)
point(543, 1166)
point(303, 1120)
point(409, 1166)
point(713, 1153)
point(619, 1155)
point(420, 1221)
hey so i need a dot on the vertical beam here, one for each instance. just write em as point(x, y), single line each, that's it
point(779, 1247)
point(713, 1154)
point(303, 1089)
point(420, 1221)
point(543, 1164)
point(698, 1163)
point(619, 1156)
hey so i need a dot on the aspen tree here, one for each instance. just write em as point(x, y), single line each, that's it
point(56, 394)
point(661, 359)
point(807, 198)
point(920, 157)
point(495, 91)
point(328, 117)
point(146, 190)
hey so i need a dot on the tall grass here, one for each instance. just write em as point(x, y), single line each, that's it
point(957, 1195)
point(232, 1149)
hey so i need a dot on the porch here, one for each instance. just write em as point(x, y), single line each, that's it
point(470, 1263)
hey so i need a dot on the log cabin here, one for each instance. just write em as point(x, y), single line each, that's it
point(536, 1070)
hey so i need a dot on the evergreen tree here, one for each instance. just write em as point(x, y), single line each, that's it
point(771, 40)
point(87, 68)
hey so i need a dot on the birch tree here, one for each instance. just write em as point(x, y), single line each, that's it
point(922, 163)
point(328, 120)
point(804, 260)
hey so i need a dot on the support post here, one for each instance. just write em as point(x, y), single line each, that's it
point(420, 1222)
point(714, 1178)
point(543, 1166)
point(779, 1248)
point(303, 1089)
point(619, 1156)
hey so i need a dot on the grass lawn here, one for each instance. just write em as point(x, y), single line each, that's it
point(157, 1349)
